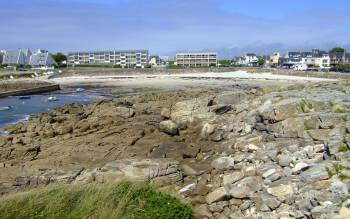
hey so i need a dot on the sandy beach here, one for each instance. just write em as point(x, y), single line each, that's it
point(179, 81)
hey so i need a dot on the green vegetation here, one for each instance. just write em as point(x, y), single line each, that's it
point(261, 62)
point(343, 148)
point(342, 67)
point(337, 49)
point(3, 65)
point(59, 57)
point(16, 75)
point(173, 66)
point(224, 63)
point(306, 106)
point(125, 200)
point(329, 171)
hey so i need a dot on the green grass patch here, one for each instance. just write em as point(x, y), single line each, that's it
point(306, 106)
point(343, 148)
point(125, 200)
point(329, 171)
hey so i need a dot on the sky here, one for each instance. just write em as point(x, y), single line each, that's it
point(231, 27)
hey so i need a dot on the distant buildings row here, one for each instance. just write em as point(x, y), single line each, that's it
point(297, 60)
point(24, 57)
point(140, 59)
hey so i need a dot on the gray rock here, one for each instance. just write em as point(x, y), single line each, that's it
point(169, 127)
point(300, 167)
point(284, 160)
point(315, 173)
point(218, 206)
point(268, 173)
point(216, 195)
point(245, 205)
point(271, 202)
point(233, 177)
point(319, 134)
point(244, 187)
point(339, 189)
point(223, 163)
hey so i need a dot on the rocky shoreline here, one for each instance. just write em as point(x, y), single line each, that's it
point(256, 151)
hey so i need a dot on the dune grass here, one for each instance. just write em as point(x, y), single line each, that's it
point(125, 200)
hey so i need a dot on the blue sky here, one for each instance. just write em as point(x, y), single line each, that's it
point(165, 26)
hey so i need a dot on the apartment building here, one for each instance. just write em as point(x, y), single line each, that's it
point(17, 57)
point(196, 59)
point(41, 59)
point(313, 59)
point(125, 58)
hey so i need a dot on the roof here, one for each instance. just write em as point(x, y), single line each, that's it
point(196, 53)
point(251, 54)
point(109, 51)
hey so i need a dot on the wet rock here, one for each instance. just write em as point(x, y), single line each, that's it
point(169, 127)
point(222, 109)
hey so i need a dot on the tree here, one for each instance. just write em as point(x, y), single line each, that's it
point(59, 57)
point(338, 50)
point(261, 62)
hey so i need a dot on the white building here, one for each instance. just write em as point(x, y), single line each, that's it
point(314, 59)
point(41, 59)
point(125, 59)
point(17, 57)
point(196, 59)
point(250, 59)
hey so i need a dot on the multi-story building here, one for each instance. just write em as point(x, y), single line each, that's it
point(41, 59)
point(125, 59)
point(196, 59)
point(250, 59)
point(314, 59)
point(17, 57)
point(275, 59)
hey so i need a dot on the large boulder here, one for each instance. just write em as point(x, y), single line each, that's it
point(279, 111)
point(316, 173)
point(169, 127)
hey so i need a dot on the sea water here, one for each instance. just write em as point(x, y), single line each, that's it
point(21, 109)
